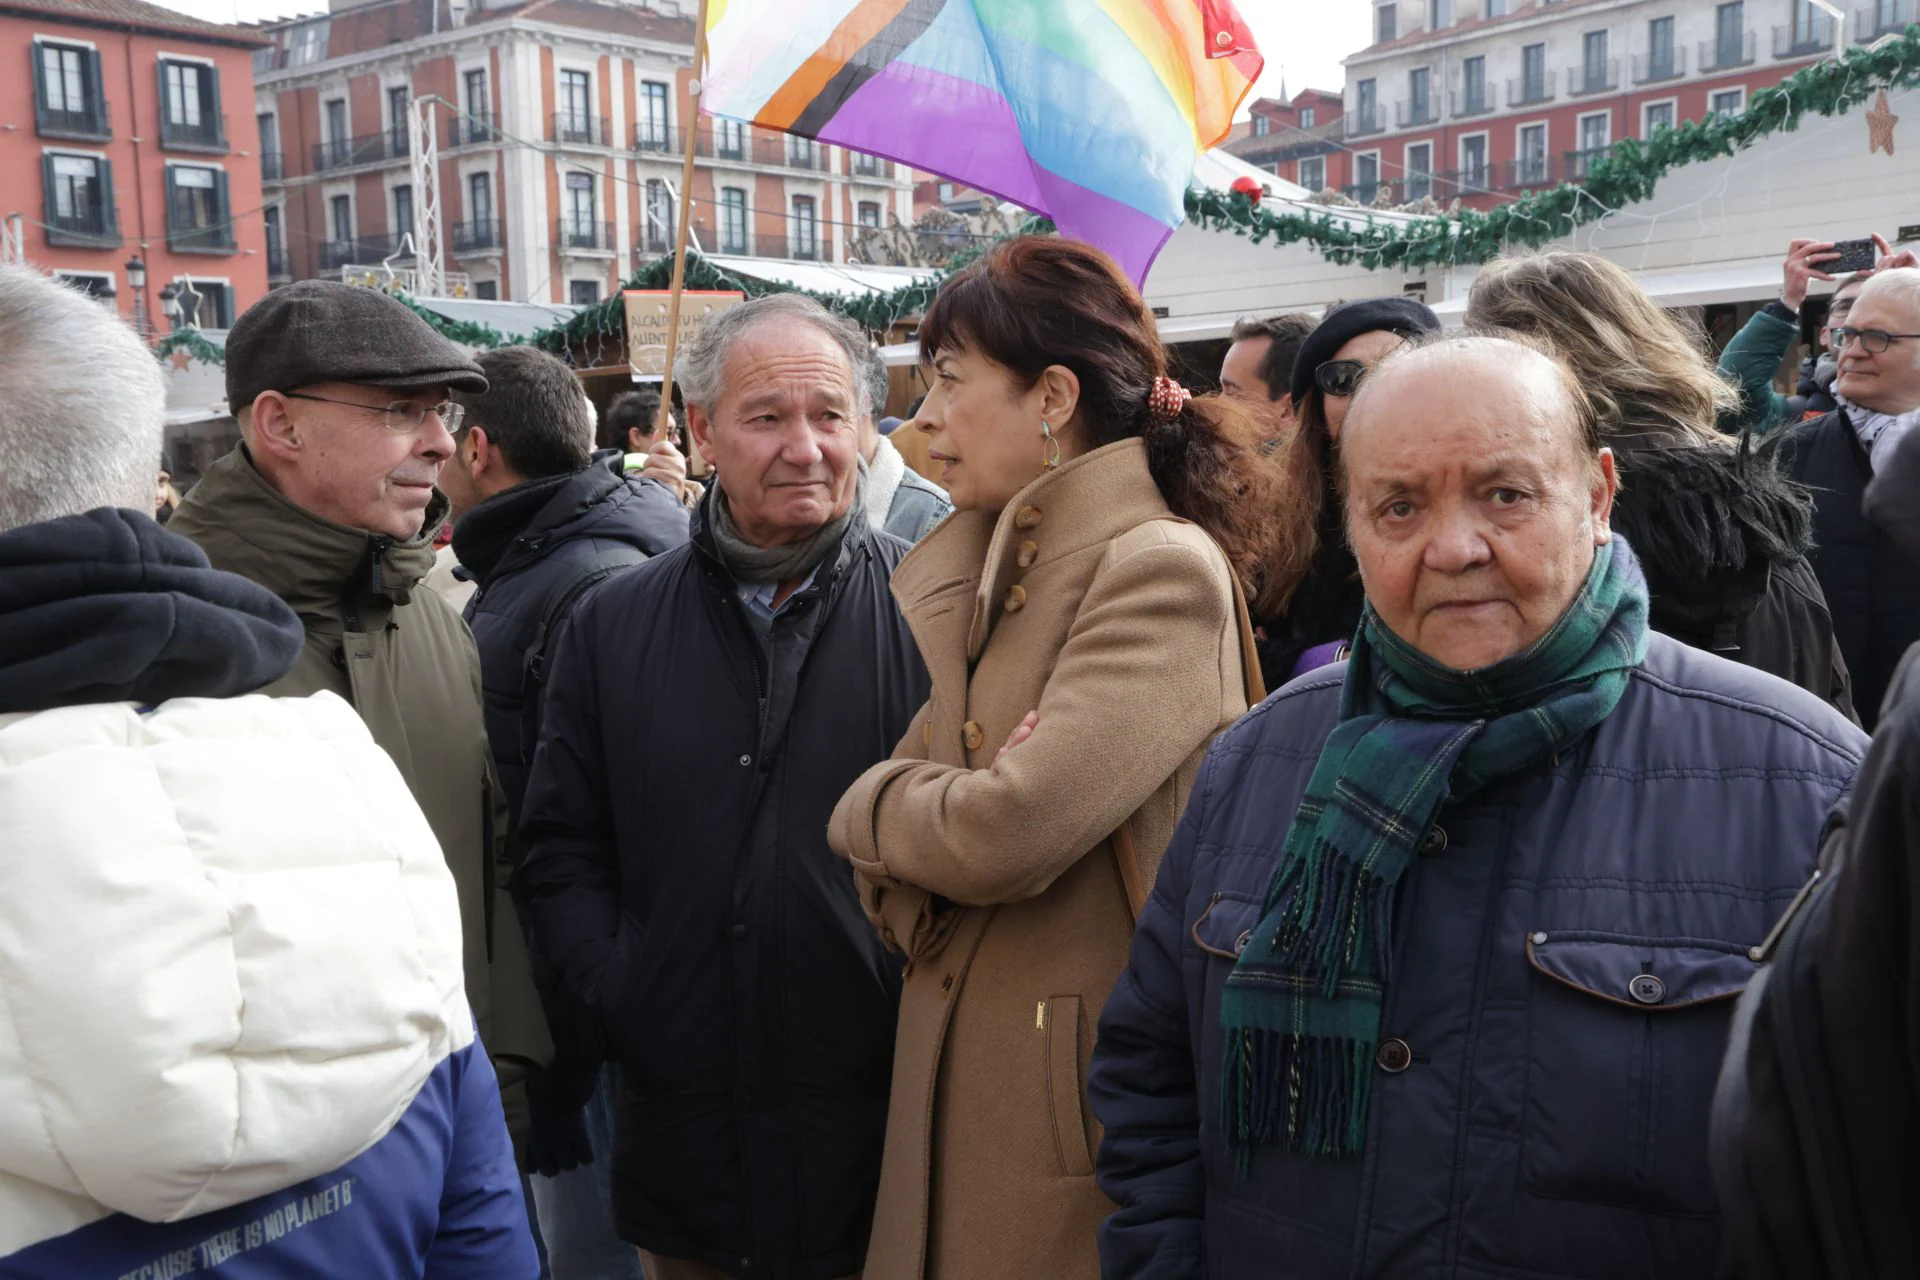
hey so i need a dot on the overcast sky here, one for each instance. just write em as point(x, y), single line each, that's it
point(1303, 39)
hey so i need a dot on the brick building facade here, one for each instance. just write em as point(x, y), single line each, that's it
point(559, 140)
point(127, 159)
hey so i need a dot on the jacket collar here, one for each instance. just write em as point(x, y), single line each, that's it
point(1087, 502)
point(247, 527)
point(485, 536)
point(700, 533)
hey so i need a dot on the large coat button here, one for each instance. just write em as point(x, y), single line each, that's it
point(1029, 552)
point(973, 735)
point(1016, 598)
point(1027, 518)
point(1394, 1056)
point(1435, 840)
point(1647, 989)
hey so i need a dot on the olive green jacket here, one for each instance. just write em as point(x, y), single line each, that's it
point(406, 661)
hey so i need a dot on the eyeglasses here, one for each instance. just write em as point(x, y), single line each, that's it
point(1872, 341)
point(1339, 377)
point(401, 415)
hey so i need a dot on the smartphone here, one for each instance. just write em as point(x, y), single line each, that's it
point(1855, 255)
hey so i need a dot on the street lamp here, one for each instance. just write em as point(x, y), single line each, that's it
point(137, 281)
point(170, 306)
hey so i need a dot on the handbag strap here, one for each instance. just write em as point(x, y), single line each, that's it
point(1126, 856)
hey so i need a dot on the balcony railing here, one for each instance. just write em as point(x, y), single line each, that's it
point(1397, 191)
point(90, 122)
point(1889, 18)
point(1463, 182)
point(89, 229)
point(1724, 55)
point(594, 237)
point(579, 130)
point(208, 133)
point(277, 260)
point(367, 249)
point(773, 150)
point(472, 131)
point(1593, 77)
point(368, 148)
point(1414, 112)
point(1804, 41)
point(1527, 90)
point(651, 238)
point(1578, 164)
point(1658, 65)
point(1530, 171)
point(272, 169)
point(1477, 103)
point(1365, 121)
point(217, 238)
point(477, 235)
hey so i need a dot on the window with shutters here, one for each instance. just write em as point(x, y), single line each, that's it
point(806, 228)
point(653, 131)
point(340, 219)
point(733, 220)
point(399, 105)
point(204, 304)
point(1313, 173)
point(79, 201)
point(479, 231)
point(729, 139)
point(402, 212)
point(868, 214)
point(583, 293)
point(658, 212)
point(68, 102)
point(270, 222)
point(487, 290)
point(190, 117)
point(1306, 117)
point(198, 214)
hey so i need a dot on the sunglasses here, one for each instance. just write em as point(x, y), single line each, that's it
point(1339, 377)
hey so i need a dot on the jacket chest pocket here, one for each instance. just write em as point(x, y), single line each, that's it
point(1625, 1037)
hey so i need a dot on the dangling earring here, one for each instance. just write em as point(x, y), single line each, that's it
point(1049, 447)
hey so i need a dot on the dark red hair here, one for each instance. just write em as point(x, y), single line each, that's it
point(1038, 301)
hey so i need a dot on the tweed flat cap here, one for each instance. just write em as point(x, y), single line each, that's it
point(1348, 321)
point(319, 331)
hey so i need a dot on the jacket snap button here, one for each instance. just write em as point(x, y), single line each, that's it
point(1029, 552)
point(1435, 841)
point(973, 735)
point(745, 761)
point(1016, 598)
point(1647, 989)
point(739, 933)
point(1027, 518)
point(1394, 1056)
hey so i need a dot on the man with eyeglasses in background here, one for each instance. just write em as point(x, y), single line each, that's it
point(1872, 587)
point(330, 502)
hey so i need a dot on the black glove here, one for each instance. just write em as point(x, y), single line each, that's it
point(557, 1141)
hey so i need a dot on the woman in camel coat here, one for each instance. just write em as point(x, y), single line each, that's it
point(1086, 639)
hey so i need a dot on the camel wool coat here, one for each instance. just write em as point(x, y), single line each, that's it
point(1086, 599)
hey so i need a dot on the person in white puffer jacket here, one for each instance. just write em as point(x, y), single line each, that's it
point(234, 1034)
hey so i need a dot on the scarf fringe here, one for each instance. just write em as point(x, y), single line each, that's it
point(1332, 909)
point(1311, 1091)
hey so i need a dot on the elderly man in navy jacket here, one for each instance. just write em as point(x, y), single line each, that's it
point(705, 711)
point(1437, 972)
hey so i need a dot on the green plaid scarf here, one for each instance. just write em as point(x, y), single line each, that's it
point(1301, 1008)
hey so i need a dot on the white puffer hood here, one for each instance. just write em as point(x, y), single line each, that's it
point(229, 956)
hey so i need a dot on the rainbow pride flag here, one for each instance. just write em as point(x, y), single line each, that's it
point(1089, 111)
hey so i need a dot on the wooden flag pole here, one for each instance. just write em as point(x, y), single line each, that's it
point(691, 121)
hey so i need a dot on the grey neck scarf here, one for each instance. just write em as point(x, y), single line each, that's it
point(750, 563)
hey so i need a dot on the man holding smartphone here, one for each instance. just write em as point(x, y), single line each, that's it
point(1755, 353)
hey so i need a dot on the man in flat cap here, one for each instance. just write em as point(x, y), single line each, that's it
point(342, 395)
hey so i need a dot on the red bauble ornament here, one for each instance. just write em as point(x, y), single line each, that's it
point(1245, 186)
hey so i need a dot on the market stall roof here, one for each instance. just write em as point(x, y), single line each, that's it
point(513, 320)
point(1742, 280)
point(823, 277)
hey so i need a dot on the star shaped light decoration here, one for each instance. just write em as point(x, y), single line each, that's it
point(1880, 122)
point(180, 358)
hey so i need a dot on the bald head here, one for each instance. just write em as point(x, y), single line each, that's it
point(1476, 492)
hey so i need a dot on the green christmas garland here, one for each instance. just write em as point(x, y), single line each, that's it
point(1627, 175)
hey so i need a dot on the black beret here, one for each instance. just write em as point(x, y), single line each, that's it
point(320, 331)
point(1348, 321)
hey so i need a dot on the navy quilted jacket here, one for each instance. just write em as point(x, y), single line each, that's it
point(1540, 1109)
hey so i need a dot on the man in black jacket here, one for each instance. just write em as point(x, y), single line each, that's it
point(539, 519)
point(1872, 587)
point(704, 713)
